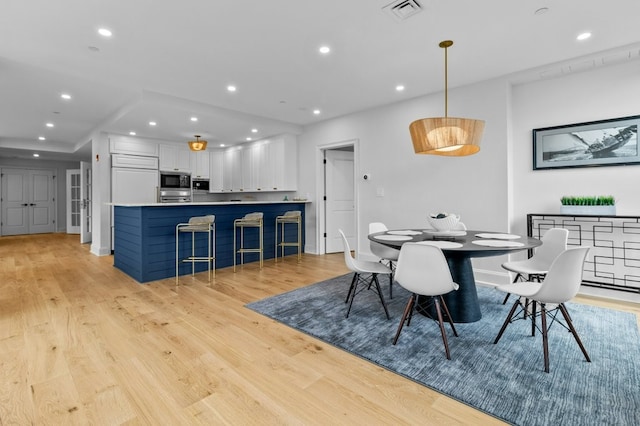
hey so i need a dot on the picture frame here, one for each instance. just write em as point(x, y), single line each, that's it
point(611, 142)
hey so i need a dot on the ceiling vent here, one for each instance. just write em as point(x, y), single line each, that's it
point(402, 9)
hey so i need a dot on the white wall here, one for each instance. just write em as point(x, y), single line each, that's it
point(607, 92)
point(415, 185)
point(492, 190)
point(101, 194)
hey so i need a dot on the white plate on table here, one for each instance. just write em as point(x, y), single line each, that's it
point(404, 232)
point(386, 237)
point(455, 233)
point(497, 243)
point(498, 236)
point(441, 244)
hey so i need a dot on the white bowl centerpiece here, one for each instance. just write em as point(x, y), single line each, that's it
point(444, 221)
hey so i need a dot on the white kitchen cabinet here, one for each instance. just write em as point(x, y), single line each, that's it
point(134, 185)
point(132, 146)
point(174, 158)
point(262, 166)
point(216, 171)
point(233, 170)
point(200, 164)
point(134, 161)
point(266, 165)
point(283, 153)
point(249, 165)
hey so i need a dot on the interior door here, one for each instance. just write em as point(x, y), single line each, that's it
point(340, 199)
point(85, 206)
point(74, 201)
point(15, 202)
point(29, 205)
point(42, 206)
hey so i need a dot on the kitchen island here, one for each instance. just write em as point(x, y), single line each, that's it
point(144, 245)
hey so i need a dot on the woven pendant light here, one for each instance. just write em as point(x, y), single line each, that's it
point(446, 135)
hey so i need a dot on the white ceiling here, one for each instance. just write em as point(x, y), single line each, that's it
point(169, 60)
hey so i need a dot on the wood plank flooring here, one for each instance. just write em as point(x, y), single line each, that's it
point(82, 343)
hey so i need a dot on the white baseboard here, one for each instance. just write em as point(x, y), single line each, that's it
point(100, 251)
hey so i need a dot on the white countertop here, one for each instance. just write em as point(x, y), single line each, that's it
point(207, 203)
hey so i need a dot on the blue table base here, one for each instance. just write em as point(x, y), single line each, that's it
point(463, 303)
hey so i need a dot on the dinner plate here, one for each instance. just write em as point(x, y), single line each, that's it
point(441, 244)
point(405, 232)
point(497, 243)
point(498, 236)
point(386, 237)
point(456, 233)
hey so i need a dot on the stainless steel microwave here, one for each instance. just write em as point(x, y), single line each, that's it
point(175, 180)
point(200, 185)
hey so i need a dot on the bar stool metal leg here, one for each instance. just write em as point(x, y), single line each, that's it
point(202, 224)
point(290, 217)
point(251, 220)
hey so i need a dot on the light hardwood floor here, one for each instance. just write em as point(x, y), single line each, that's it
point(82, 343)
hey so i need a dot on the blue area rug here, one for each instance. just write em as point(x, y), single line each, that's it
point(506, 380)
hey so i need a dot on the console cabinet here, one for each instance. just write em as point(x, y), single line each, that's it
point(613, 260)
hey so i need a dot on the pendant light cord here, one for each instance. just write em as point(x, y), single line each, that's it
point(445, 45)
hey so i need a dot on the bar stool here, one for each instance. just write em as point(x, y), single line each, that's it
point(250, 220)
point(293, 217)
point(197, 224)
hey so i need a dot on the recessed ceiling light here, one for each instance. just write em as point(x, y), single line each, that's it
point(583, 36)
point(221, 145)
point(65, 96)
point(132, 133)
point(316, 112)
point(399, 88)
point(254, 130)
point(194, 118)
point(231, 88)
point(249, 139)
point(105, 32)
point(324, 49)
point(36, 155)
point(152, 123)
point(49, 124)
point(42, 138)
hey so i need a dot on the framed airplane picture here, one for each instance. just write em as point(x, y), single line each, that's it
point(612, 142)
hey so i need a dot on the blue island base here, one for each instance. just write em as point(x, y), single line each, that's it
point(145, 236)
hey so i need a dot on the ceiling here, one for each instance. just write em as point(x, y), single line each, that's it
point(168, 61)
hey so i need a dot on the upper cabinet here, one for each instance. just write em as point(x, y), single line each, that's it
point(266, 165)
point(132, 146)
point(200, 164)
point(216, 171)
point(174, 158)
point(232, 178)
point(283, 154)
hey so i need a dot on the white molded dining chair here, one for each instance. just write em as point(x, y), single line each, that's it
point(360, 267)
point(554, 242)
point(560, 285)
point(385, 253)
point(423, 270)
